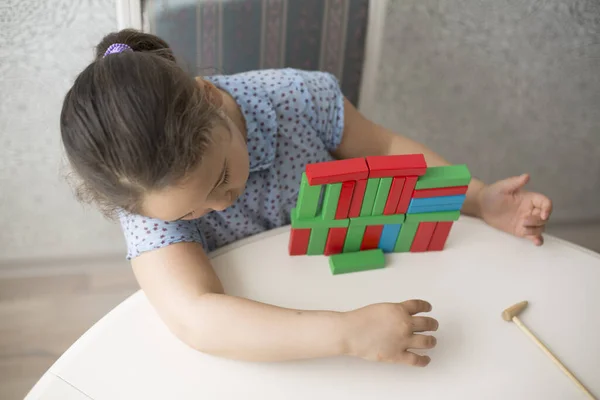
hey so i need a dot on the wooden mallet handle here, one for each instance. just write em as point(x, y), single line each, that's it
point(510, 314)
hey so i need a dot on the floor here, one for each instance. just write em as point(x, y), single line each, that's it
point(45, 308)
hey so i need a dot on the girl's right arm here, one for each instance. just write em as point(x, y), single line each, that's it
point(181, 285)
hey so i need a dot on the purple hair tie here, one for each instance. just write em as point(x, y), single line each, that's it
point(117, 48)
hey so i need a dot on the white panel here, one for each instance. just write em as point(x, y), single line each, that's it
point(375, 29)
point(129, 14)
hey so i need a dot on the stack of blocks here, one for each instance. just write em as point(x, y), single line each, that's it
point(355, 210)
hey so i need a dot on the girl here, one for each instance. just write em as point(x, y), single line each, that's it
point(190, 165)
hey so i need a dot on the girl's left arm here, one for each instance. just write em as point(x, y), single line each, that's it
point(504, 204)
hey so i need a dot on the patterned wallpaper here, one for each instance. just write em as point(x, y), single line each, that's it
point(226, 37)
point(43, 45)
point(506, 86)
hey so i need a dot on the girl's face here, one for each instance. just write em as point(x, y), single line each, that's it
point(214, 185)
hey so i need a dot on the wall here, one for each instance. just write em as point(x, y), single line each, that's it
point(43, 45)
point(507, 86)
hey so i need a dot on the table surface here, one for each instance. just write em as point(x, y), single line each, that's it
point(130, 354)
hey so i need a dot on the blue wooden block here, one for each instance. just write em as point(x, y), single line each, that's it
point(428, 209)
point(438, 201)
point(389, 236)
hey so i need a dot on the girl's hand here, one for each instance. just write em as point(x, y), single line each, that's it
point(506, 206)
point(385, 332)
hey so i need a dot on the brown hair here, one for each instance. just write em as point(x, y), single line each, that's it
point(134, 122)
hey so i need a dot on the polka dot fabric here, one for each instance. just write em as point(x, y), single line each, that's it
point(293, 118)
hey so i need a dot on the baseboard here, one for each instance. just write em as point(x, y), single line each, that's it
point(57, 266)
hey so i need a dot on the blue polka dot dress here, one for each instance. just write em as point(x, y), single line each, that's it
point(293, 118)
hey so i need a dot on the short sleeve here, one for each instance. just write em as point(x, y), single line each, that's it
point(144, 234)
point(325, 110)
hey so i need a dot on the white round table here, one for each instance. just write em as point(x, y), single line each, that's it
point(130, 354)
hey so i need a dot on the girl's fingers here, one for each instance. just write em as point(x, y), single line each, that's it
point(410, 358)
point(533, 233)
point(424, 324)
point(543, 205)
point(532, 230)
point(546, 208)
point(533, 220)
point(537, 240)
point(416, 306)
point(422, 342)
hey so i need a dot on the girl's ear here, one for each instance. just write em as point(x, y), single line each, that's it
point(212, 92)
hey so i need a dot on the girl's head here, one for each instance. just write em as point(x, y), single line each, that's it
point(145, 137)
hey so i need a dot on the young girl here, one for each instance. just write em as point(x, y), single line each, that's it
point(190, 165)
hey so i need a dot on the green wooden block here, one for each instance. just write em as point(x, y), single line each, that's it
point(330, 200)
point(451, 175)
point(369, 198)
point(382, 194)
point(406, 236)
point(378, 220)
point(433, 216)
point(308, 199)
point(316, 222)
point(354, 238)
point(358, 261)
point(316, 243)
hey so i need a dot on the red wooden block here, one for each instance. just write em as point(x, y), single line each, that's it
point(440, 234)
point(337, 171)
point(394, 196)
point(357, 198)
point(407, 191)
point(345, 199)
point(436, 192)
point(371, 237)
point(423, 237)
point(299, 241)
point(398, 165)
point(335, 241)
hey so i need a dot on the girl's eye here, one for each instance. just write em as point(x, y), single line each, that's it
point(225, 180)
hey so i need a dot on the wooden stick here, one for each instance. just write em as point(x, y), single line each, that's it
point(552, 357)
point(510, 314)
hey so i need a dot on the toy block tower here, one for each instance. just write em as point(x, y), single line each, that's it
point(320, 220)
point(435, 204)
point(355, 210)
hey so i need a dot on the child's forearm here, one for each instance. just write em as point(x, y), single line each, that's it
point(382, 141)
point(242, 329)
point(404, 145)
